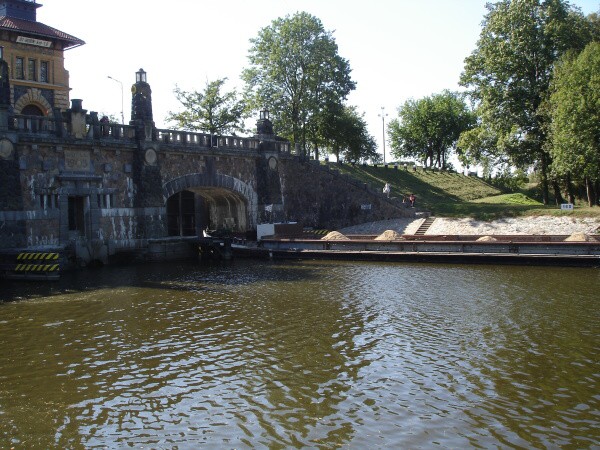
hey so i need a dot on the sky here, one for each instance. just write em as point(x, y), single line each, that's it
point(397, 49)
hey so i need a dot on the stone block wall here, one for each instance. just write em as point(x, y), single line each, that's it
point(122, 186)
point(36, 184)
point(323, 199)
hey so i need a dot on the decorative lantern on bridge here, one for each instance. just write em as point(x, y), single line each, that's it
point(264, 124)
point(141, 98)
point(140, 76)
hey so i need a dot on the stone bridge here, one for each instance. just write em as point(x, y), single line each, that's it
point(73, 181)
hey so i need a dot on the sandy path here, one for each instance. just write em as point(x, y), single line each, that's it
point(541, 225)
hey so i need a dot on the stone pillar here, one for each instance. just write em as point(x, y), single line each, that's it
point(141, 108)
point(77, 119)
point(95, 125)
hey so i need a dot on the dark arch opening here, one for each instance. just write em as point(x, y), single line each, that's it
point(32, 110)
point(222, 209)
point(181, 214)
point(222, 202)
point(195, 209)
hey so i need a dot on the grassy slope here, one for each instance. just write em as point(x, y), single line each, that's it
point(456, 195)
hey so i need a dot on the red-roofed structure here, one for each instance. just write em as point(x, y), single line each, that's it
point(35, 56)
point(39, 30)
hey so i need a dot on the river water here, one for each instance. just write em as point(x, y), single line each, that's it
point(308, 354)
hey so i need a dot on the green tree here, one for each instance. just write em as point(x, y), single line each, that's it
point(211, 111)
point(594, 26)
point(478, 145)
point(575, 111)
point(345, 134)
point(428, 129)
point(296, 71)
point(111, 118)
point(509, 74)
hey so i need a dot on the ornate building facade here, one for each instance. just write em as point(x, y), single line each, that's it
point(35, 56)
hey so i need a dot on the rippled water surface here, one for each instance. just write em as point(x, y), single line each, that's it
point(302, 354)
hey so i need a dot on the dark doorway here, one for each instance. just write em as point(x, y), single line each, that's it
point(181, 219)
point(33, 123)
point(32, 110)
point(77, 215)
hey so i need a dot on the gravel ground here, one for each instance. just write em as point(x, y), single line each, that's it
point(402, 226)
point(541, 225)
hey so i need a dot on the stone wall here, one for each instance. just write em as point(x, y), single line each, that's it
point(126, 205)
point(99, 190)
point(41, 175)
point(322, 198)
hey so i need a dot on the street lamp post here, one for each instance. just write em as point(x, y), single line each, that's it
point(383, 115)
point(122, 116)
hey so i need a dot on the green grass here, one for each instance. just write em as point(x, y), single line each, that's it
point(515, 198)
point(448, 194)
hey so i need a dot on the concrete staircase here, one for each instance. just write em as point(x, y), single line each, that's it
point(424, 226)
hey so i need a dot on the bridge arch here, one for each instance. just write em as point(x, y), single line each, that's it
point(219, 201)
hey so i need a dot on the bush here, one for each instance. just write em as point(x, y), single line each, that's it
point(510, 181)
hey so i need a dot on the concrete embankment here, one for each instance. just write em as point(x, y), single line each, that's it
point(539, 241)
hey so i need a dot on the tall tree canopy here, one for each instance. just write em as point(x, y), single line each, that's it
point(575, 106)
point(296, 72)
point(509, 74)
point(345, 134)
point(427, 129)
point(211, 111)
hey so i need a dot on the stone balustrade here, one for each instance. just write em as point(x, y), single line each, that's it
point(93, 129)
point(34, 124)
point(117, 131)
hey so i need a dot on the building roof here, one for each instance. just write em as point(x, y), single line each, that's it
point(38, 29)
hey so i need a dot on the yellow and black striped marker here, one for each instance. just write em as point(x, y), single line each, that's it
point(323, 232)
point(37, 262)
point(37, 268)
point(42, 256)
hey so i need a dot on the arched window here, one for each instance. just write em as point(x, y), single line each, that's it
point(32, 110)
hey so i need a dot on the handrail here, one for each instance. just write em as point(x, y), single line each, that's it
point(94, 129)
point(117, 131)
point(33, 124)
point(193, 139)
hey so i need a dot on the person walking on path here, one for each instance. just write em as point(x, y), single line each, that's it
point(387, 190)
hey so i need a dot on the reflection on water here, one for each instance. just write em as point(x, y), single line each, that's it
point(301, 354)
